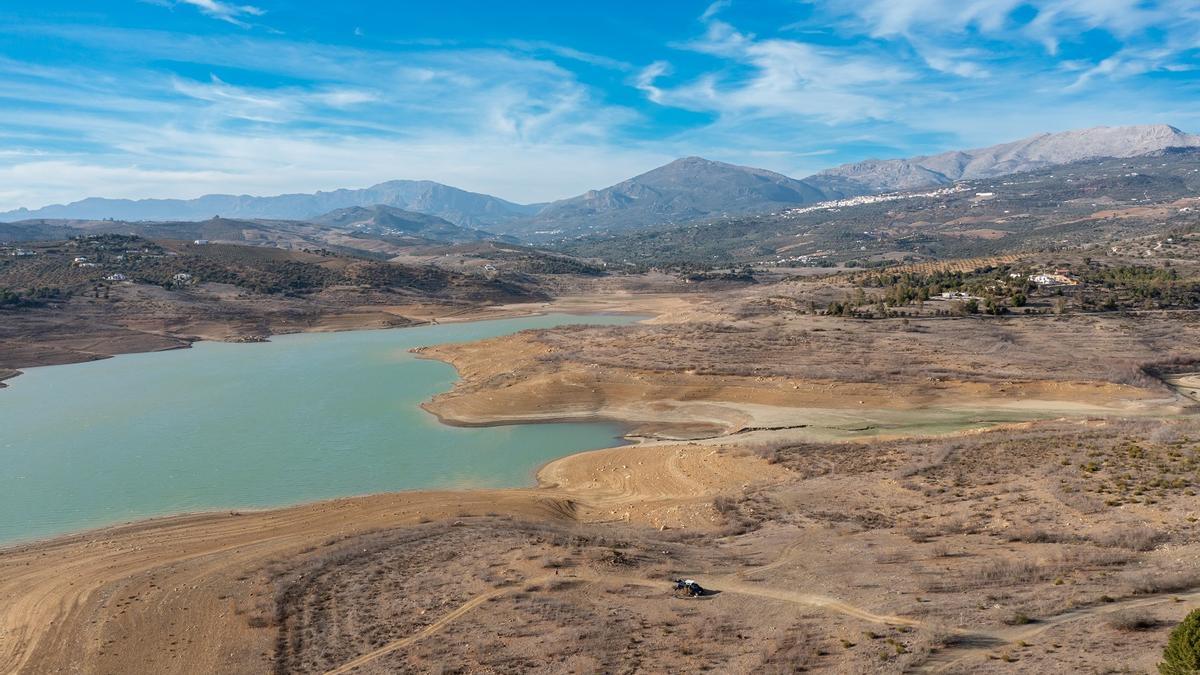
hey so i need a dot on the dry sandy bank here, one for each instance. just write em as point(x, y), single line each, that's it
point(180, 584)
point(514, 379)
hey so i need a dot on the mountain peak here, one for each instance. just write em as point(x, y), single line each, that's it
point(685, 189)
point(1027, 154)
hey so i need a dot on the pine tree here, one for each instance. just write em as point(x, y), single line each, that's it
point(1182, 655)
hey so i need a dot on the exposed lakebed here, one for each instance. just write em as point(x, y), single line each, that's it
point(301, 418)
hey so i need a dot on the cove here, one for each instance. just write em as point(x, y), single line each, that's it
point(303, 417)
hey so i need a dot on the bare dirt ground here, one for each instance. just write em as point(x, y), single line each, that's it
point(959, 495)
point(718, 365)
point(996, 551)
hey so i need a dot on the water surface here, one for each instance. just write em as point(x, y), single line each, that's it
point(303, 417)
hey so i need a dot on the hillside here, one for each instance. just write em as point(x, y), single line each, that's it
point(381, 230)
point(390, 221)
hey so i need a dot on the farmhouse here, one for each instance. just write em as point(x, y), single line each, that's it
point(1056, 279)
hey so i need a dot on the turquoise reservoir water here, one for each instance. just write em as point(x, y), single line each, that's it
point(303, 417)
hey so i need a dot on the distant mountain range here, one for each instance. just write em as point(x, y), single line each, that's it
point(685, 190)
point(1035, 152)
point(457, 206)
point(351, 227)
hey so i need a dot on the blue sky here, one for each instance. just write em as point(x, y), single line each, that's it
point(534, 101)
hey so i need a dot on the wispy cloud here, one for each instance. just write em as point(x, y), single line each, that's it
point(534, 46)
point(225, 11)
point(1171, 25)
point(785, 77)
point(714, 9)
point(506, 121)
point(203, 108)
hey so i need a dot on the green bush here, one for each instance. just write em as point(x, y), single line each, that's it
point(1182, 655)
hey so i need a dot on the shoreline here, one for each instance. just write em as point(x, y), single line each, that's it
point(487, 313)
point(645, 430)
point(189, 340)
point(574, 305)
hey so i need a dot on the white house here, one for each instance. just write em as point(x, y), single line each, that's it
point(1057, 279)
point(116, 277)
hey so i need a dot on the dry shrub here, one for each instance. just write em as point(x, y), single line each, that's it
point(1132, 374)
point(1131, 538)
point(1149, 582)
point(1036, 535)
point(1021, 571)
point(1135, 538)
point(1131, 620)
point(794, 652)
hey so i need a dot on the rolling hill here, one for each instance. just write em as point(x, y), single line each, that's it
point(391, 221)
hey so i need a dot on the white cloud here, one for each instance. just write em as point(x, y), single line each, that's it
point(1171, 23)
point(647, 76)
point(225, 11)
point(262, 165)
point(964, 63)
point(239, 102)
point(491, 120)
point(1123, 64)
point(885, 18)
point(279, 105)
point(568, 53)
point(787, 78)
point(515, 119)
point(714, 9)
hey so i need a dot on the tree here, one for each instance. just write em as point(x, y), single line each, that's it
point(1182, 655)
point(860, 297)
